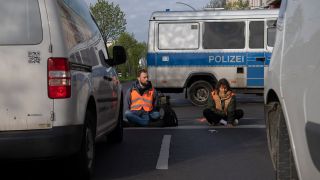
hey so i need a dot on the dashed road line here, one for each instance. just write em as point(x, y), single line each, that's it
point(164, 153)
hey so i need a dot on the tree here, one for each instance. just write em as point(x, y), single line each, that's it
point(135, 51)
point(110, 19)
point(239, 4)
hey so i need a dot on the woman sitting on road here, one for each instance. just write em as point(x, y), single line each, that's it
point(221, 108)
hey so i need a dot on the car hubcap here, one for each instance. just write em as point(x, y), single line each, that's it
point(202, 94)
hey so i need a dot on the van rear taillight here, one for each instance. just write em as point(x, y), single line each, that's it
point(59, 81)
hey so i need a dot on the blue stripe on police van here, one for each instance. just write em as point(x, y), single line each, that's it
point(255, 82)
point(255, 72)
point(205, 59)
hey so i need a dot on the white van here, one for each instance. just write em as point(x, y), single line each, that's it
point(59, 91)
point(190, 51)
point(292, 92)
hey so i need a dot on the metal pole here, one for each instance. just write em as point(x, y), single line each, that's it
point(187, 5)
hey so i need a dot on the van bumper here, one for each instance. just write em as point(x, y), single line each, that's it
point(41, 144)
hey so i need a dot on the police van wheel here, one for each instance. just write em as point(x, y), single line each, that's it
point(199, 92)
point(284, 162)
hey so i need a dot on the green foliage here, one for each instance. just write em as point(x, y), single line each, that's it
point(126, 79)
point(237, 5)
point(135, 51)
point(110, 19)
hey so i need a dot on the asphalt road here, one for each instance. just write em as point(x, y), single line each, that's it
point(190, 151)
point(195, 151)
point(194, 154)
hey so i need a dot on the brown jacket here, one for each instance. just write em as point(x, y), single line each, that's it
point(223, 106)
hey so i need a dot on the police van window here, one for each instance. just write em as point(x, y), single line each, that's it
point(178, 36)
point(271, 32)
point(20, 22)
point(224, 35)
point(256, 36)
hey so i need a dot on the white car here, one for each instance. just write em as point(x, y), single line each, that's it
point(59, 90)
point(292, 92)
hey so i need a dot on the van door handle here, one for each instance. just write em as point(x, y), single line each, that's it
point(107, 78)
point(260, 59)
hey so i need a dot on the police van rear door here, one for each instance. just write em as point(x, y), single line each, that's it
point(24, 51)
point(256, 56)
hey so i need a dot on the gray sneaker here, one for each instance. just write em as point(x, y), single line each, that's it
point(223, 122)
point(235, 122)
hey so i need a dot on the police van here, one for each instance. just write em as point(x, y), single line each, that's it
point(59, 89)
point(190, 51)
point(292, 92)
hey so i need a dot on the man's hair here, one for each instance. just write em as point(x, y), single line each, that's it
point(141, 71)
point(224, 82)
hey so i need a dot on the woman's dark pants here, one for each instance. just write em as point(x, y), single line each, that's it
point(212, 117)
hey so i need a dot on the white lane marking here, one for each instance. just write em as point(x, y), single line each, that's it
point(164, 153)
point(255, 126)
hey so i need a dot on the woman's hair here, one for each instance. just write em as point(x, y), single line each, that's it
point(224, 82)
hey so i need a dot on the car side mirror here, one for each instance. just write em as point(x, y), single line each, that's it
point(119, 55)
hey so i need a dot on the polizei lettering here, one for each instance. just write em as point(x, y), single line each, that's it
point(226, 59)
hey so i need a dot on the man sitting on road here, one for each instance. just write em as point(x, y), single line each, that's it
point(221, 106)
point(142, 100)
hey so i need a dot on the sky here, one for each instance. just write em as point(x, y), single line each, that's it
point(138, 12)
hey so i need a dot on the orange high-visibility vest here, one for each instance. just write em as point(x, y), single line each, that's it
point(217, 101)
point(145, 101)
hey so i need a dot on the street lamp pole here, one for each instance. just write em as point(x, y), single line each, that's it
point(187, 5)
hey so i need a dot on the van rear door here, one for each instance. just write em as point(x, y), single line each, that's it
point(24, 51)
point(256, 56)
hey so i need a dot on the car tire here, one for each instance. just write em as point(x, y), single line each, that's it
point(279, 143)
point(85, 159)
point(116, 136)
point(199, 92)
